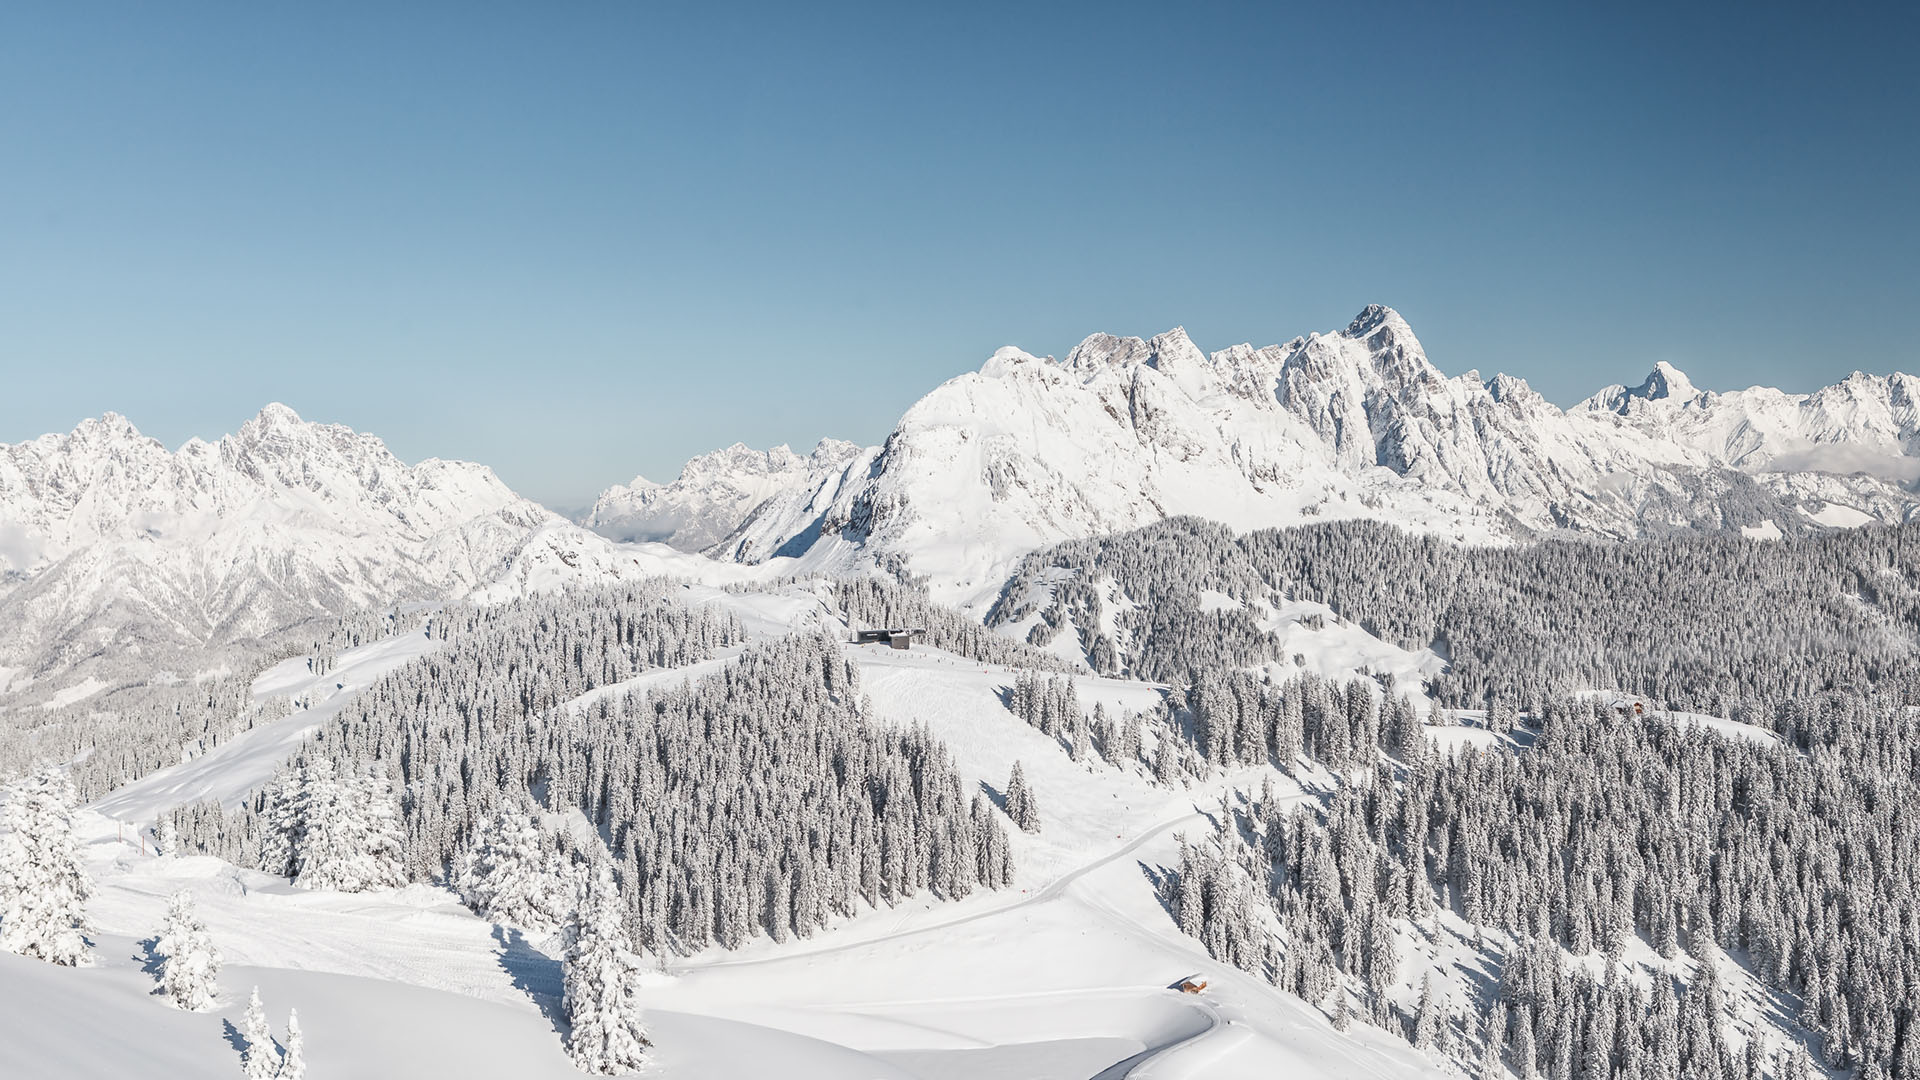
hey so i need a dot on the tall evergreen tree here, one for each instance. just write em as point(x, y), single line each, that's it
point(190, 964)
point(43, 883)
point(606, 1035)
point(259, 1055)
point(293, 1065)
point(1022, 807)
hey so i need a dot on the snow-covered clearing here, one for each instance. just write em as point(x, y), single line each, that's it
point(1730, 728)
point(1838, 516)
point(1314, 637)
point(68, 695)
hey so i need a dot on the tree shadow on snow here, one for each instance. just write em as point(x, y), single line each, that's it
point(1161, 878)
point(151, 961)
point(994, 795)
point(1005, 695)
point(150, 958)
point(234, 1038)
point(534, 974)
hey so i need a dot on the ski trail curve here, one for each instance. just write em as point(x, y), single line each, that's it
point(1125, 1068)
point(1050, 891)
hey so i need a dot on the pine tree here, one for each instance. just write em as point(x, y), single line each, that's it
point(259, 1055)
point(166, 838)
point(511, 876)
point(190, 964)
point(1525, 1052)
point(1342, 1010)
point(1022, 807)
point(293, 1066)
point(43, 883)
point(607, 1037)
point(1796, 1064)
point(1493, 1036)
point(1426, 1017)
point(1382, 955)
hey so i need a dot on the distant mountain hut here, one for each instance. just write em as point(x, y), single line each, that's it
point(896, 637)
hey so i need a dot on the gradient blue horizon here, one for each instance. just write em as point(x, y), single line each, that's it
point(576, 242)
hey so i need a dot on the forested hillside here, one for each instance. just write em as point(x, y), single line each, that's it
point(1718, 624)
point(1798, 857)
point(759, 799)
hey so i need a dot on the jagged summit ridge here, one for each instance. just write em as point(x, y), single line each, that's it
point(712, 494)
point(112, 545)
point(1353, 423)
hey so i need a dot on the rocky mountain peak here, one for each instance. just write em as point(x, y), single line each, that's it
point(1174, 351)
point(1666, 382)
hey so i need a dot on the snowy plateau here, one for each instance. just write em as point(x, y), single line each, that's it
point(1196, 764)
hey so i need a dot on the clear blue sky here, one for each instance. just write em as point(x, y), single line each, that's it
point(576, 241)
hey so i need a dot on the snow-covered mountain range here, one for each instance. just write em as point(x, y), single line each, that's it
point(713, 495)
point(1028, 451)
point(113, 547)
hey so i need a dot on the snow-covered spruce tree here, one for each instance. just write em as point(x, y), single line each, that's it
point(1080, 746)
point(513, 875)
point(43, 884)
point(342, 832)
point(1493, 1037)
point(606, 1037)
point(259, 1056)
point(189, 964)
point(166, 838)
point(1426, 1017)
point(1022, 807)
point(293, 1066)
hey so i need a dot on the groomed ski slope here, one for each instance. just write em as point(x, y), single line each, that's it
point(241, 764)
point(1065, 975)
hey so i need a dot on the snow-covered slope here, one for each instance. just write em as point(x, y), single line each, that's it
point(114, 549)
point(1063, 976)
point(1029, 451)
point(713, 495)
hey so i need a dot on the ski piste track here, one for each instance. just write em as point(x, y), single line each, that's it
point(1205, 1019)
point(1202, 1022)
point(1050, 891)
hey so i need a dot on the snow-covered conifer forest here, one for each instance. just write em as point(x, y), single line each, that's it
point(1395, 768)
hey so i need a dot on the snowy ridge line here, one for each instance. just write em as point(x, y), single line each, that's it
point(1358, 423)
